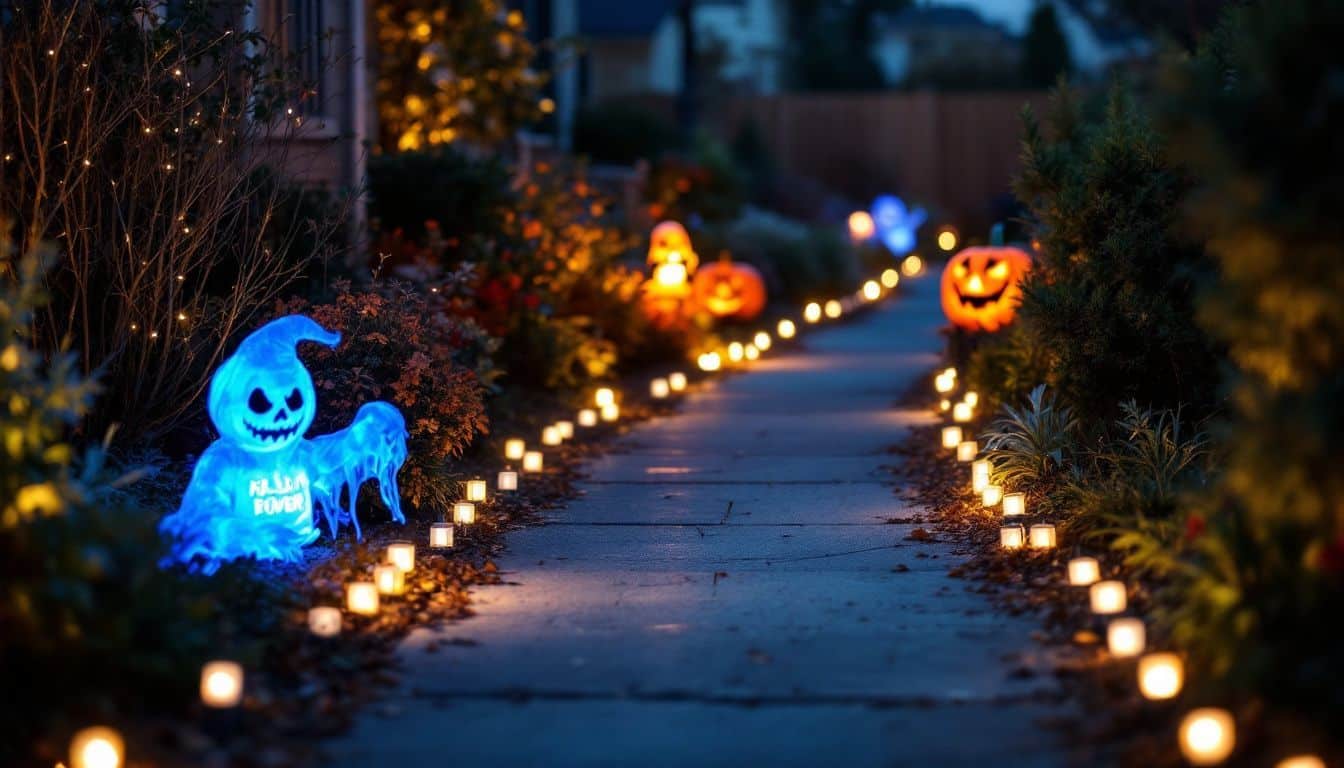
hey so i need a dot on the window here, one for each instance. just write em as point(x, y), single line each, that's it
point(298, 30)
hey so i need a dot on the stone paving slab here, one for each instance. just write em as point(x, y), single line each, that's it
point(777, 434)
point(739, 634)
point(691, 547)
point(734, 468)
point(672, 503)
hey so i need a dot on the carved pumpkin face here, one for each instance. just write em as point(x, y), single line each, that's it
point(981, 287)
point(728, 290)
point(669, 244)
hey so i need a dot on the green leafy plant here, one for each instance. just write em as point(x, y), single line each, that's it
point(1129, 493)
point(1031, 445)
point(799, 262)
point(1005, 368)
point(1256, 117)
point(1111, 295)
point(84, 605)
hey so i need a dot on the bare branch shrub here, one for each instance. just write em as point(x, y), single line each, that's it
point(135, 144)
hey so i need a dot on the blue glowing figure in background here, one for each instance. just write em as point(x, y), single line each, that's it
point(895, 226)
point(255, 490)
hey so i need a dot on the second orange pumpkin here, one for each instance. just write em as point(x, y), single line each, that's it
point(729, 290)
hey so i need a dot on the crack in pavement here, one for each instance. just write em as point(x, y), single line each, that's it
point(745, 700)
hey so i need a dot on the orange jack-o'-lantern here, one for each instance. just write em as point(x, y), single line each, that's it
point(730, 291)
point(982, 287)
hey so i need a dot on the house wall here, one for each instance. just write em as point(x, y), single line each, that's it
point(327, 149)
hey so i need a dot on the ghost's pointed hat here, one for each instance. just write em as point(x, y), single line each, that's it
point(273, 345)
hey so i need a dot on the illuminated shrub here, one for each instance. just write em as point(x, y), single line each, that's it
point(399, 346)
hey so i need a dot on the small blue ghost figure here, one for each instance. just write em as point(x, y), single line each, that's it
point(896, 227)
point(255, 490)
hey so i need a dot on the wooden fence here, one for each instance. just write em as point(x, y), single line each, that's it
point(955, 153)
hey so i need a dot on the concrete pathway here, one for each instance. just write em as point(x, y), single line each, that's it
point(731, 590)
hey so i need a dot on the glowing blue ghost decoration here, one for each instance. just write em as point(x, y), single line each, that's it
point(255, 490)
point(895, 226)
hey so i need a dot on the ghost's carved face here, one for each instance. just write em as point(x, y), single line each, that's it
point(670, 244)
point(262, 409)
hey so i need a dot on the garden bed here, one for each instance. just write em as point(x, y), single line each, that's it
point(1110, 722)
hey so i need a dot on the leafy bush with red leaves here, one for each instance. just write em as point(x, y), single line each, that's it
point(399, 345)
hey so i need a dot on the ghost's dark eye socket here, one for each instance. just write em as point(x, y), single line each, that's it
point(258, 402)
point(294, 400)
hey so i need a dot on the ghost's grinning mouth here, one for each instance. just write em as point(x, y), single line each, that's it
point(980, 302)
point(271, 435)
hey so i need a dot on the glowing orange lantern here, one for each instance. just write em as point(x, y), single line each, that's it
point(729, 290)
point(673, 262)
point(982, 287)
point(861, 226)
point(670, 244)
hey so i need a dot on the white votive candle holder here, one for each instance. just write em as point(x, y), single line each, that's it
point(962, 412)
point(1207, 736)
point(476, 490)
point(566, 428)
point(762, 341)
point(979, 475)
point(221, 684)
point(402, 555)
point(1014, 504)
point(514, 448)
point(587, 418)
point(390, 579)
point(951, 437)
point(659, 389)
point(97, 747)
point(1042, 536)
point(1012, 537)
point(676, 381)
point(1161, 676)
point(992, 495)
point(1084, 571)
point(464, 513)
point(361, 597)
point(1107, 597)
point(611, 412)
point(533, 461)
point(441, 535)
point(604, 396)
point(785, 329)
point(324, 621)
point(967, 449)
point(550, 437)
point(1125, 637)
point(507, 480)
